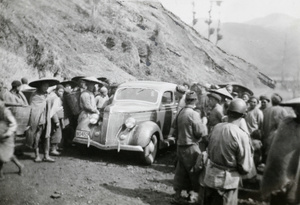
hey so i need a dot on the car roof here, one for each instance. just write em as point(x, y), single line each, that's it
point(162, 86)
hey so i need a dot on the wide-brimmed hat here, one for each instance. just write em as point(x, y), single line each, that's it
point(104, 79)
point(39, 82)
point(291, 103)
point(223, 92)
point(92, 80)
point(215, 95)
point(77, 78)
point(69, 82)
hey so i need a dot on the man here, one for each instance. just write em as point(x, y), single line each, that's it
point(16, 91)
point(281, 179)
point(264, 102)
point(24, 85)
point(8, 127)
point(216, 113)
point(272, 117)
point(188, 131)
point(203, 103)
point(229, 88)
point(39, 121)
point(87, 103)
point(57, 119)
point(102, 98)
point(229, 157)
point(254, 117)
point(180, 96)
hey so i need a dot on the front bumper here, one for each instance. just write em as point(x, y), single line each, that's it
point(118, 147)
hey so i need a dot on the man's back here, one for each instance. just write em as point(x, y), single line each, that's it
point(226, 146)
point(272, 117)
point(189, 126)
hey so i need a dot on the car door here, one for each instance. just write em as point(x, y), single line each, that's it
point(167, 112)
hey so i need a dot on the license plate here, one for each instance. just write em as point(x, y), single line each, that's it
point(82, 134)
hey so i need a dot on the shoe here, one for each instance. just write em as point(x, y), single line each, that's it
point(55, 153)
point(38, 159)
point(48, 159)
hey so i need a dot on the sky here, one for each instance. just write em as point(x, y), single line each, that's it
point(232, 10)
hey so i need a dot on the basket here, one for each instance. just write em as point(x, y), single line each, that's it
point(72, 101)
point(22, 114)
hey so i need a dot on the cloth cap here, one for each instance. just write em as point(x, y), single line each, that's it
point(216, 96)
point(16, 84)
point(276, 99)
point(191, 95)
point(264, 97)
point(181, 89)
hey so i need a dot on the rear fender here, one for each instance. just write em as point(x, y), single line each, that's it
point(143, 132)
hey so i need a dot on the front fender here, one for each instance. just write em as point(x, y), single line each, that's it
point(143, 133)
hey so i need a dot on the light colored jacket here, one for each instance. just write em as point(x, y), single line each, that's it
point(229, 153)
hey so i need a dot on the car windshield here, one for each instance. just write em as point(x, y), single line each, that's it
point(141, 94)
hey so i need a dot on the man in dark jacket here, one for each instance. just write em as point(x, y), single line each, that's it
point(188, 130)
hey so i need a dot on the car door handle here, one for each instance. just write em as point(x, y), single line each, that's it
point(175, 111)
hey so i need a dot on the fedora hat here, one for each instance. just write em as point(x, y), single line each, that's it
point(38, 83)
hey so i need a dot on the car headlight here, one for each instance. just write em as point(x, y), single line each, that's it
point(130, 122)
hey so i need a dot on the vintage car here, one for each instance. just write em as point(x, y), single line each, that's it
point(139, 119)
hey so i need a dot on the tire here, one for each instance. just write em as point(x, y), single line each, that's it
point(150, 151)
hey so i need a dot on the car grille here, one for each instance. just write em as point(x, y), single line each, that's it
point(112, 122)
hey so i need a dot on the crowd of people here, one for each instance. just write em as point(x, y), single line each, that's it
point(51, 123)
point(224, 136)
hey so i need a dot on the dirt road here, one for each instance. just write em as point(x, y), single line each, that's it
point(90, 176)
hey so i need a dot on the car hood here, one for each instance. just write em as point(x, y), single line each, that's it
point(132, 107)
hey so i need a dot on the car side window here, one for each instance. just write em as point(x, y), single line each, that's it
point(167, 98)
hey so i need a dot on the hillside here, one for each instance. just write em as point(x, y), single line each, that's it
point(271, 43)
point(120, 40)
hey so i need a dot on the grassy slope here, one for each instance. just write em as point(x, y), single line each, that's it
point(118, 40)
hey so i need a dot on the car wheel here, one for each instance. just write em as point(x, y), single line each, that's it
point(150, 151)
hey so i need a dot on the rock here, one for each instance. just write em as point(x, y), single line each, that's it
point(55, 196)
